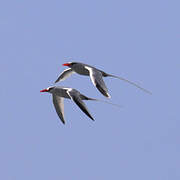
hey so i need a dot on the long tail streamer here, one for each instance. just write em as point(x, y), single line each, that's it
point(130, 82)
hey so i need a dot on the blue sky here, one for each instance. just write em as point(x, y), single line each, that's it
point(138, 40)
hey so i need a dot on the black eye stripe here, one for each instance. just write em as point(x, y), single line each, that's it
point(50, 88)
point(73, 63)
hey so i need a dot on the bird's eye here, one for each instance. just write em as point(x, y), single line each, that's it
point(50, 88)
point(73, 63)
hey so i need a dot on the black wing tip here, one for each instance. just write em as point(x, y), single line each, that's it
point(89, 115)
point(92, 118)
point(108, 95)
point(104, 92)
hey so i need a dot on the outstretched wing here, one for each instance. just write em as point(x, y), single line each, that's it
point(97, 80)
point(59, 106)
point(75, 96)
point(65, 74)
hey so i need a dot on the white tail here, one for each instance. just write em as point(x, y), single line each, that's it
point(126, 80)
point(117, 105)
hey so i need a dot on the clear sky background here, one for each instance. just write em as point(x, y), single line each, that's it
point(136, 39)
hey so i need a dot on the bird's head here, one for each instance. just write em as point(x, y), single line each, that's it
point(69, 64)
point(49, 89)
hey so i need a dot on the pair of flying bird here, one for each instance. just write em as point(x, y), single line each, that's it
point(96, 75)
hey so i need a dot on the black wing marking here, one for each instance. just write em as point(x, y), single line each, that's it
point(97, 80)
point(75, 96)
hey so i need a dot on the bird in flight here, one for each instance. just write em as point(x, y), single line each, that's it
point(58, 95)
point(95, 74)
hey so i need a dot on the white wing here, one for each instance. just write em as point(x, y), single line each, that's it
point(59, 106)
point(65, 74)
point(97, 80)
